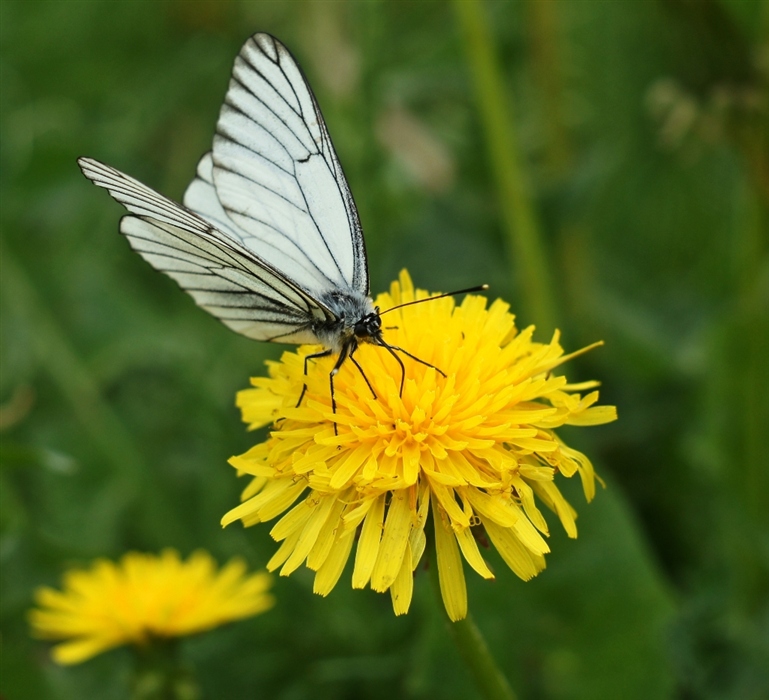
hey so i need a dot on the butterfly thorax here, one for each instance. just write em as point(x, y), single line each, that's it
point(356, 320)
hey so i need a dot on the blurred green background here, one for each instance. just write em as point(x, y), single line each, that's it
point(633, 155)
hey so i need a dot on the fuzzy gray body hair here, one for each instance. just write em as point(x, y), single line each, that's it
point(349, 307)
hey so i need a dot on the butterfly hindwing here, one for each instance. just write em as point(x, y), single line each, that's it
point(221, 274)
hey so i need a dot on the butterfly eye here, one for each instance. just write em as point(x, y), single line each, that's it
point(362, 329)
point(368, 326)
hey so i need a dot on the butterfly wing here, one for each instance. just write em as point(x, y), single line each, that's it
point(223, 276)
point(274, 176)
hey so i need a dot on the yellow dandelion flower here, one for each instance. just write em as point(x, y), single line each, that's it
point(144, 597)
point(475, 449)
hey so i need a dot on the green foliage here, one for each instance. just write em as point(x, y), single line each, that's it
point(641, 129)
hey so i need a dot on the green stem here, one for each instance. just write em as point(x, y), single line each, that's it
point(521, 221)
point(158, 674)
point(472, 647)
point(542, 18)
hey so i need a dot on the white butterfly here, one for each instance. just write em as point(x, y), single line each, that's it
point(268, 239)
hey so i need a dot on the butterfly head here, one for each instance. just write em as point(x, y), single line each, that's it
point(369, 326)
point(356, 320)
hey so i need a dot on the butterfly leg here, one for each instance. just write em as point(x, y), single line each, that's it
point(314, 356)
point(421, 362)
point(380, 341)
point(343, 355)
point(362, 373)
point(392, 348)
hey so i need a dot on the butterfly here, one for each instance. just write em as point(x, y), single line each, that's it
point(268, 238)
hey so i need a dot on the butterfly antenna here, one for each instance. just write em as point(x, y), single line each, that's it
point(479, 288)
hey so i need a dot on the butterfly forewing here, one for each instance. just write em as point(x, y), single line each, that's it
point(277, 177)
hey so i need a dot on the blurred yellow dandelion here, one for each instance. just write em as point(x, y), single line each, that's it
point(142, 597)
point(476, 449)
